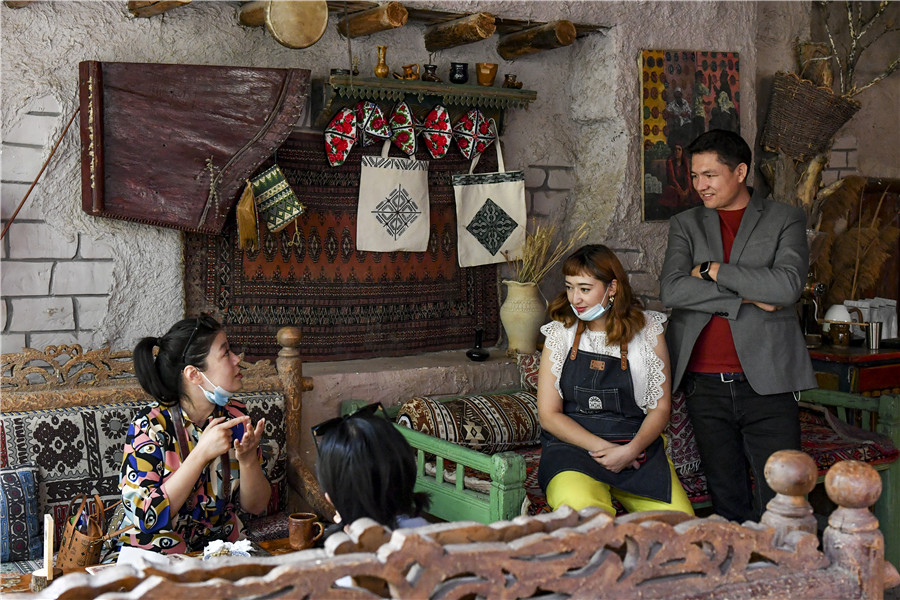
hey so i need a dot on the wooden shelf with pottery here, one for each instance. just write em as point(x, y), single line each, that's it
point(341, 91)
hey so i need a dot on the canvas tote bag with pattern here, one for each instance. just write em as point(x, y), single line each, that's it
point(393, 213)
point(490, 213)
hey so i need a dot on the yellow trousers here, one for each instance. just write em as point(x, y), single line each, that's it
point(578, 491)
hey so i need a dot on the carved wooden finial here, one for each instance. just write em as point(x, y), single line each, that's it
point(852, 537)
point(792, 475)
point(853, 484)
point(791, 472)
point(289, 337)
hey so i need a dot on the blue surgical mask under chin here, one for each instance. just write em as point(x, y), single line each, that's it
point(219, 396)
point(594, 312)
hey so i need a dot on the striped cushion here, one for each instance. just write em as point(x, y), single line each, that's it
point(489, 423)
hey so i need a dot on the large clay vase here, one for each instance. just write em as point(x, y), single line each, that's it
point(522, 314)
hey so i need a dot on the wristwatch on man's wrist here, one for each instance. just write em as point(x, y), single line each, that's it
point(704, 270)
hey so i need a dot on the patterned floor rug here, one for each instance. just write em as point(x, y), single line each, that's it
point(348, 304)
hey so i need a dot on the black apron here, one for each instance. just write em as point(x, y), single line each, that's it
point(598, 394)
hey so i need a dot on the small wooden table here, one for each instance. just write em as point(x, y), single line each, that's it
point(20, 583)
point(856, 369)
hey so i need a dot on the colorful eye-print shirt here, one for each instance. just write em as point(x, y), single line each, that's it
point(151, 455)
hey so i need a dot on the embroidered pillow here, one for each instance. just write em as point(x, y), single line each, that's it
point(680, 444)
point(529, 365)
point(489, 423)
point(21, 535)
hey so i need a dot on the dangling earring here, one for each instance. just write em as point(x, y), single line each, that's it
point(611, 300)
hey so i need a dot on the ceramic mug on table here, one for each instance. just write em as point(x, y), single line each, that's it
point(304, 529)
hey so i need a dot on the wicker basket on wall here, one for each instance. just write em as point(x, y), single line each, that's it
point(803, 117)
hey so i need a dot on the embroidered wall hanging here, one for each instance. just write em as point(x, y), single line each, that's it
point(348, 303)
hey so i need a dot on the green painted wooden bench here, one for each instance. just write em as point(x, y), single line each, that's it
point(505, 472)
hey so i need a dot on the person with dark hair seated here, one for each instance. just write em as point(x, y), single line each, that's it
point(367, 469)
point(192, 455)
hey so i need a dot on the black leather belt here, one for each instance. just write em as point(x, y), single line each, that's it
point(723, 377)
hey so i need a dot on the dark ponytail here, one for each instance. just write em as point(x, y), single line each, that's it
point(186, 343)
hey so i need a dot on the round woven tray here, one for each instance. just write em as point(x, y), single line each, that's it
point(803, 117)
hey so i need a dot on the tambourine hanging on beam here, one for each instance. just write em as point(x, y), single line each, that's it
point(292, 24)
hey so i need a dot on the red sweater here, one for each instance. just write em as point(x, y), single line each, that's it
point(714, 351)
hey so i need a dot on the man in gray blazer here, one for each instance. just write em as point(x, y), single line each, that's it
point(733, 270)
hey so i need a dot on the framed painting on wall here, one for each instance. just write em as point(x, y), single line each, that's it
point(684, 93)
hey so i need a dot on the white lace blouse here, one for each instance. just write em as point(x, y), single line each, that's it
point(646, 367)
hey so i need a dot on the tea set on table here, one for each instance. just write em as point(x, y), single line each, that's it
point(838, 324)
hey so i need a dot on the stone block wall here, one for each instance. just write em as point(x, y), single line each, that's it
point(55, 286)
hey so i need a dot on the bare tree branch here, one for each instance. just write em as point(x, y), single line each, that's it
point(834, 52)
point(865, 26)
point(885, 74)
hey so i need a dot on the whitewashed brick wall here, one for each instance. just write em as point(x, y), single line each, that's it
point(842, 161)
point(54, 287)
point(548, 190)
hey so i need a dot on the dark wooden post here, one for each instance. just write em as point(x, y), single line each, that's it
point(792, 474)
point(472, 28)
point(380, 18)
point(290, 370)
point(151, 8)
point(528, 41)
point(852, 538)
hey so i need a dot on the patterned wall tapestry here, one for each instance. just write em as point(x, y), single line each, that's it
point(348, 303)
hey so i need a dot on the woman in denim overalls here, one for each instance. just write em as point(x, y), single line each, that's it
point(604, 394)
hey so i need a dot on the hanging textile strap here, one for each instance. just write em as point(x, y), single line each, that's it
point(224, 460)
point(41, 172)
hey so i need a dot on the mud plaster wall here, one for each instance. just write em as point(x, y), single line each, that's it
point(126, 279)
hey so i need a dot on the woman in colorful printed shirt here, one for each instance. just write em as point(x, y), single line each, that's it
point(193, 455)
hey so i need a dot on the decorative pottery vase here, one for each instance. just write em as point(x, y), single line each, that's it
point(459, 72)
point(430, 74)
point(509, 80)
point(477, 353)
point(486, 72)
point(381, 69)
point(522, 314)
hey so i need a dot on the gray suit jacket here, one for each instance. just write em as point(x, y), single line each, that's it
point(769, 263)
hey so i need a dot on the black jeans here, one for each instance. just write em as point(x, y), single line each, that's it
point(736, 431)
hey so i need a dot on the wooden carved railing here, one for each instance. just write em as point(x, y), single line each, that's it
point(585, 554)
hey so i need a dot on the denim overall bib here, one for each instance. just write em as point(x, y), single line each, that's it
point(598, 394)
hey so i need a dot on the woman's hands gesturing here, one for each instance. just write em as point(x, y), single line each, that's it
point(245, 448)
point(218, 437)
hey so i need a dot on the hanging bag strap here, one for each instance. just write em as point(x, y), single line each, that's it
point(224, 461)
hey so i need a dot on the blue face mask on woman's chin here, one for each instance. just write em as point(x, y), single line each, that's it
point(594, 312)
point(219, 396)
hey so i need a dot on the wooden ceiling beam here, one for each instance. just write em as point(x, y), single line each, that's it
point(151, 8)
point(380, 18)
point(544, 37)
point(17, 3)
point(468, 29)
